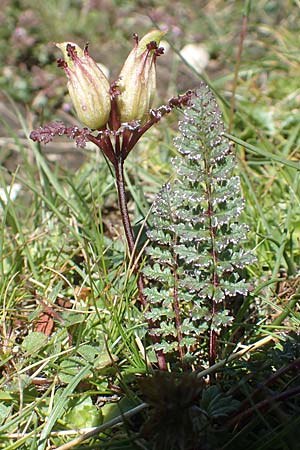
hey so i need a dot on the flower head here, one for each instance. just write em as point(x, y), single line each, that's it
point(87, 84)
point(137, 80)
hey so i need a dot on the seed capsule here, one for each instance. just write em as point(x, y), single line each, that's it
point(137, 80)
point(87, 84)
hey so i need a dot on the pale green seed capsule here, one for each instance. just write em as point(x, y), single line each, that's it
point(87, 84)
point(137, 80)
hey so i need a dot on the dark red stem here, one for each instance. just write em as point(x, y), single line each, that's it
point(123, 207)
point(119, 168)
point(214, 280)
point(156, 115)
point(281, 396)
point(177, 317)
point(105, 145)
point(294, 365)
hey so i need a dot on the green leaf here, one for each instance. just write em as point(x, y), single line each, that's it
point(60, 403)
point(4, 411)
point(34, 342)
point(216, 404)
point(83, 414)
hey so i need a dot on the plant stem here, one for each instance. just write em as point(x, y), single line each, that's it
point(269, 401)
point(127, 224)
point(294, 365)
point(119, 168)
point(214, 276)
point(123, 204)
point(177, 315)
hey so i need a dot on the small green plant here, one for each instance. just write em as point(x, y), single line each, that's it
point(196, 258)
point(120, 113)
point(196, 255)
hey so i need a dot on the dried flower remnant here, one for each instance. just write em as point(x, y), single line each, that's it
point(87, 84)
point(46, 133)
point(137, 80)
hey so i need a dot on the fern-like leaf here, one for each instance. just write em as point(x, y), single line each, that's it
point(195, 253)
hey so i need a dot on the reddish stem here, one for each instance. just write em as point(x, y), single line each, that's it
point(213, 341)
point(105, 146)
point(281, 396)
point(177, 317)
point(124, 209)
point(131, 245)
point(156, 115)
point(214, 278)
